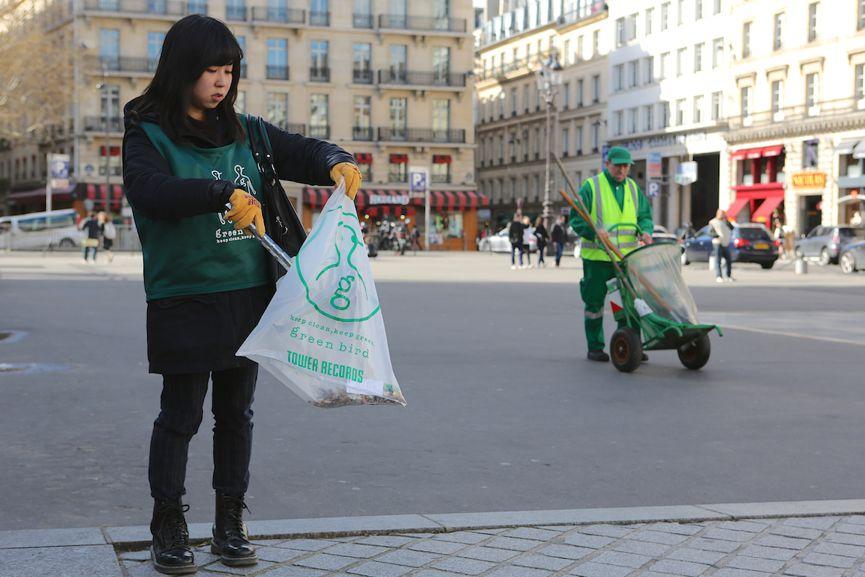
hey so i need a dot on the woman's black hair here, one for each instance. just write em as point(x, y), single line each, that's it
point(192, 45)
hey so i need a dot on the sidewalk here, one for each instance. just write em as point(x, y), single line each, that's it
point(801, 539)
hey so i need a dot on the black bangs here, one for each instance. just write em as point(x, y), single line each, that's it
point(192, 45)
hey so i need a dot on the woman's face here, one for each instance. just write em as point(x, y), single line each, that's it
point(212, 87)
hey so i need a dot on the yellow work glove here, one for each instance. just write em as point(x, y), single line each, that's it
point(245, 210)
point(350, 172)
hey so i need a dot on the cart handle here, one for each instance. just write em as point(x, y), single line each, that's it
point(635, 226)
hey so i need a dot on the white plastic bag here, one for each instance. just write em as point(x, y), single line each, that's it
point(322, 334)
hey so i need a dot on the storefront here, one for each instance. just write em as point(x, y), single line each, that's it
point(851, 182)
point(759, 188)
point(453, 213)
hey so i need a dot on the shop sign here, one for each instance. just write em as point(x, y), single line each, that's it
point(653, 165)
point(686, 173)
point(809, 180)
point(388, 199)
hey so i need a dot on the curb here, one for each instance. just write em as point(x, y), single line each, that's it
point(138, 536)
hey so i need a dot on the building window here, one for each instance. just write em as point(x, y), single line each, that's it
point(596, 88)
point(665, 65)
point(526, 97)
point(109, 48)
point(398, 168)
point(398, 58)
point(698, 57)
point(319, 116)
point(777, 96)
point(778, 31)
point(631, 27)
point(633, 73)
point(580, 47)
point(277, 109)
point(566, 95)
point(596, 136)
point(441, 121)
point(680, 112)
point(746, 40)
point(680, 61)
point(513, 101)
point(596, 43)
point(154, 49)
point(745, 101)
point(362, 129)
point(633, 114)
point(650, 15)
point(579, 147)
point(859, 81)
point(648, 118)
point(810, 156)
point(441, 168)
point(698, 110)
point(717, 8)
point(397, 113)
point(566, 141)
point(860, 16)
point(812, 21)
point(620, 32)
point(319, 70)
point(717, 52)
point(618, 120)
point(680, 13)
point(319, 13)
point(442, 64)
point(698, 9)
point(277, 59)
point(716, 105)
point(618, 77)
point(362, 67)
point(364, 164)
point(649, 69)
point(580, 93)
point(665, 16)
point(665, 114)
point(109, 107)
point(812, 88)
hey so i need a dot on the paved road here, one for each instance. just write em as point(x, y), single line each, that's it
point(504, 413)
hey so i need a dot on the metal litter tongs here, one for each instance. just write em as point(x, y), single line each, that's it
point(274, 249)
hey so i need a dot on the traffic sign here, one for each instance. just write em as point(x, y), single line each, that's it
point(654, 189)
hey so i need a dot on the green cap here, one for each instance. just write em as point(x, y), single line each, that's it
point(619, 155)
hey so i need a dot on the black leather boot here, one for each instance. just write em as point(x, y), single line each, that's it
point(230, 539)
point(170, 551)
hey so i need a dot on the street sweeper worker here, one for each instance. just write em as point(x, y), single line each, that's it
point(612, 199)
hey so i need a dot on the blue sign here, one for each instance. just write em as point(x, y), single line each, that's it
point(418, 181)
point(605, 148)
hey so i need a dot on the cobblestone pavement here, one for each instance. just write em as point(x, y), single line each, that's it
point(832, 546)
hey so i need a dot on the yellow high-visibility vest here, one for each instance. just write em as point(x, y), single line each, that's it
point(605, 213)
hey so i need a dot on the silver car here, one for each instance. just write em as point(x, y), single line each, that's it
point(501, 242)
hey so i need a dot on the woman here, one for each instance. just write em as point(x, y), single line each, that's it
point(543, 237)
point(528, 234)
point(185, 159)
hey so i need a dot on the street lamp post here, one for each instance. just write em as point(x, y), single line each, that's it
point(549, 80)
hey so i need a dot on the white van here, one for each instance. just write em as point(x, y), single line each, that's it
point(40, 230)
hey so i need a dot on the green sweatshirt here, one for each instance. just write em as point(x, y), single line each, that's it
point(644, 210)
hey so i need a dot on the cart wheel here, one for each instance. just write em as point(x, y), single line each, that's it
point(626, 350)
point(695, 355)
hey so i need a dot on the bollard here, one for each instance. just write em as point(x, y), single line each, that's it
point(801, 266)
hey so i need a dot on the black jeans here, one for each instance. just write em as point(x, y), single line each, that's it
point(181, 412)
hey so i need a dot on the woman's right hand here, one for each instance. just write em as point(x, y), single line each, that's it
point(245, 210)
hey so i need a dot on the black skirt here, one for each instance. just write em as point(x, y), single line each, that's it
point(201, 333)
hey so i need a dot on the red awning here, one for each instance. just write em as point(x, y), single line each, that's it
point(764, 211)
point(763, 151)
point(736, 207)
point(439, 199)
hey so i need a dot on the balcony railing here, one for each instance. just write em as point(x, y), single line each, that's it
point(364, 133)
point(277, 72)
point(454, 136)
point(363, 20)
point(278, 14)
point(292, 127)
point(319, 74)
point(796, 114)
point(362, 76)
point(127, 64)
point(440, 178)
point(236, 13)
point(397, 177)
point(319, 131)
point(422, 23)
point(319, 18)
point(414, 78)
point(97, 124)
point(154, 7)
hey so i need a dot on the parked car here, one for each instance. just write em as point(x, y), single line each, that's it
point(853, 257)
point(826, 243)
point(748, 243)
point(662, 234)
point(39, 230)
point(500, 242)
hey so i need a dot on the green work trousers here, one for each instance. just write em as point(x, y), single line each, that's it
point(593, 290)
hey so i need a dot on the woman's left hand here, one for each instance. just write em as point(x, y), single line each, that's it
point(350, 173)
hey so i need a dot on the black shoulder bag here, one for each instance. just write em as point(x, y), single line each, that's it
point(282, 223)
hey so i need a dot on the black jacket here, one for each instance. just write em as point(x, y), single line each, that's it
point(515, 232)
point(559, 234)
point(152, 189)
point(542, 235)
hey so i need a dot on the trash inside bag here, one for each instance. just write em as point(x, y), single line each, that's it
point(322, 335)
point(655, 271)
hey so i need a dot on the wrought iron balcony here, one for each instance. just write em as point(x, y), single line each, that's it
point(98, 124)
point(236, 13)
point(414, 78)
point(363, 20)
point(319, 74)
point(364, 133)
point(319, 132)
point(397, 177)
point(292, 127)
point(452, 136)
point(277, 72)
point(147, 7)
point(362, 76)
point(319, 18)
point(278, 15)
point(421, 23)
point(824, 110)
point(440, 178)
point(127, 64)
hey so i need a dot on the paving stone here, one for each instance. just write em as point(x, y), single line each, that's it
point(385, 540)
point(490, 531)
point(376, 569)
point(731, 572)
point(441, 547)
point(511, 571)
point(658, 537)
point(803, 570)
point(750, 526)
point(463, 566)
point(623, 559)
point(325, 561)
point(293, 571)
point(531, 533)
point(769, 553)
point(73, 561)
point(728, 535)
point(822, 523)
point(408, 558)
point(697, 556)
point(829, 560)
point(846, 539)
point(590, 569)
point(275, 554)
point(432, 573)
point(140, 570)
point(679, 567)
point(678, 528)
point(642, 548)
point(713, 545)
point(488, 554)
point(755, 564)
point(37, 538)
point(220, 569)
point(305, 544)
point(616, 531)
point(542, 562)
point(839, 549)
point(798, 532)
point(566, 551)
point(511, 544)
point(856, 519)
point(143, 555)
point(590, 541)
point(782, 542)
point(849, 528)
point(465, 537)
point(355, 550)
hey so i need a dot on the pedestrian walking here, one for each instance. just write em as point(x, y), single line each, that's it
point(543, 238)
point(90, 226)
point(528, 236)
point(614, 199)
point(415, 240)
point(559, 236)
point(721, 232)
point(186, 157)
point(109, 233)
point(515, 235)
